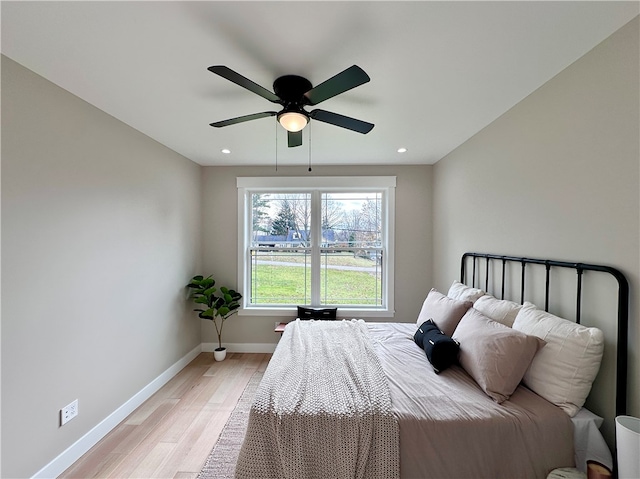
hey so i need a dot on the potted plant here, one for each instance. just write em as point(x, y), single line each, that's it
point(217, 306)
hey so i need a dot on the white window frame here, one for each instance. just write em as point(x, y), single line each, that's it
point(248, 185)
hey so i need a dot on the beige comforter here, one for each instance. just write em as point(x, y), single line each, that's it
point(449, 428)
point(322, 410)
point(317, 418)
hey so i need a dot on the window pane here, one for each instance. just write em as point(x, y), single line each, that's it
point(280, 276)
point(352, 263)
point(352, 220)
point(280, 220)
point(351, 277)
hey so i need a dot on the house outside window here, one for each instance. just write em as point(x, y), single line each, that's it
point(317, 241)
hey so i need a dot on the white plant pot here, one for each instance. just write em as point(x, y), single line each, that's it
point(628, 445)
point(220, 354)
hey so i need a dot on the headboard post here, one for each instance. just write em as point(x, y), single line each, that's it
point(504, 269)
point(547, 266)
point(579, 293)
point(524, 264)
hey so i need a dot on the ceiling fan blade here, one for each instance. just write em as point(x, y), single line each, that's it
point(346, 80)
point(240, 119)
point(342, 121)
point(295, 138)
point(229, 74)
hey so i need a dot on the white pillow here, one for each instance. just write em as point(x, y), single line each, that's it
point(463, 292)
point(500, 310)
point(562, 372)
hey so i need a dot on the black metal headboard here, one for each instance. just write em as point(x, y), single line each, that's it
point(623, 302)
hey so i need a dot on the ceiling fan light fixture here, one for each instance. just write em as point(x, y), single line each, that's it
point(293, 120)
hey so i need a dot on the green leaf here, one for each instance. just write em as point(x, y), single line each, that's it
point(208, 314)
point(196, 281)
point(223, 311)
point(209, 291)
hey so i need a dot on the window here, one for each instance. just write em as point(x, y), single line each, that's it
point(318, 241)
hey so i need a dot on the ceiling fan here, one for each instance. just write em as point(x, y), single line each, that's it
point(294, 93)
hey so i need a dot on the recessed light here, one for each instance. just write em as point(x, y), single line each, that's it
point(402, 150)
point(226, 151)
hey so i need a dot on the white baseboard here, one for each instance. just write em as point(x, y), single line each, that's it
point(241, 347)
point(90, 439)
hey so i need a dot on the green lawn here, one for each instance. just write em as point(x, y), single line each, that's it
point(276, 284)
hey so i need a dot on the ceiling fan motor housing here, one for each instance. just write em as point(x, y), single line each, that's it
point(291, 89)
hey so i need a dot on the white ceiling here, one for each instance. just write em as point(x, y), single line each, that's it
point(440, 71)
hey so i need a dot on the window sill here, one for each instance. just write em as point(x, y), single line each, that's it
point(343, 313)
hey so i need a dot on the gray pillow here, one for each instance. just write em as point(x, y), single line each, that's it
point(493, 354)
point(445, 312)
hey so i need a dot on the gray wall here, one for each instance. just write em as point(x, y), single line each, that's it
point(100, 233)
point(412, 240)
point(557, 176)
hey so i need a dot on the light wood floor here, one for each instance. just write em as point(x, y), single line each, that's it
point(172, 433)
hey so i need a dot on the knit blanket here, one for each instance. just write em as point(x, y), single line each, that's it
point(323, 409)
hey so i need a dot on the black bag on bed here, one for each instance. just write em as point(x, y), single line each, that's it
point(442, 351)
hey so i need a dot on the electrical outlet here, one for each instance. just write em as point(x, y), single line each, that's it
point(68, 412)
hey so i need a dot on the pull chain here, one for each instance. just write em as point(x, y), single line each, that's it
point(276, 123)
point(309, 147)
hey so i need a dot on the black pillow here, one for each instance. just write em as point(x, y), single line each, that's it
point(316, 313)
point(441, 350)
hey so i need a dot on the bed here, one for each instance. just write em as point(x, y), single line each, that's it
point(351, 399)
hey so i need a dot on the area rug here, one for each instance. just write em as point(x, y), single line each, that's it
point(221, 463)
